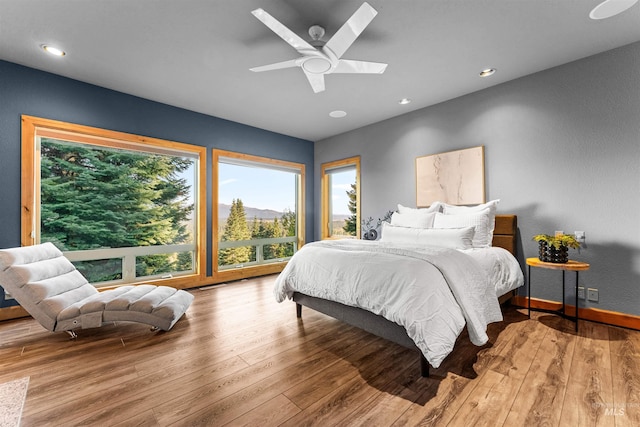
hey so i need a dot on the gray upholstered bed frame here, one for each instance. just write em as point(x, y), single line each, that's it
point(504, 236)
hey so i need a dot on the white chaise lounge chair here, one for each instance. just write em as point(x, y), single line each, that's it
point(49, 287)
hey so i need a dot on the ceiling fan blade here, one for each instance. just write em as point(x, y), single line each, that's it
point(276, 66)
point(349, 32)
point(285, 34)
point(350, 66)
point(316, 81)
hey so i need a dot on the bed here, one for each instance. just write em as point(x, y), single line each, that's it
point(311, 279)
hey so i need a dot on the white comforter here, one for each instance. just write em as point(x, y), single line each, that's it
point(430, 291)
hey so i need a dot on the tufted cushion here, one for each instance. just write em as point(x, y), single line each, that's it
point(49, 287)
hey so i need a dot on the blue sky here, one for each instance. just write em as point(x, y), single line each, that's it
point(257, 187)
point(271, 189)
point(340, 184)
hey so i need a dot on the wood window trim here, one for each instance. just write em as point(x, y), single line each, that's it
point(325, 192)
point(258, 270)
point(33, 127)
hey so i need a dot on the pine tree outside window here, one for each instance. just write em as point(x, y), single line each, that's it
point(259, 220)
point(340, 195)
point(122, 208)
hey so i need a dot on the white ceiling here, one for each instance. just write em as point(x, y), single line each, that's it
point(197, 54)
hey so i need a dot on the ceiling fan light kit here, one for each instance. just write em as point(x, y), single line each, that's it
point(319, 58)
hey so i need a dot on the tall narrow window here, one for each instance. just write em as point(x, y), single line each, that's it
point(122, 208)
point(341, 199)
point(259, 220)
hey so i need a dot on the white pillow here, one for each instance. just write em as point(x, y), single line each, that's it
point(415, 219)
point(466, 210)
point(480, 220)
point(435, 207)
point(452, 238)
point(457, 210)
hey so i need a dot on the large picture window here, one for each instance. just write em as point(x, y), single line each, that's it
point(122, 208)
point(340, 192)
point(259, 220)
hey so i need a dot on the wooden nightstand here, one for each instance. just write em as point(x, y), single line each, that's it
point(576, 266)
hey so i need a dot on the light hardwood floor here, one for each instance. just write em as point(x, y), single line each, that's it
point(239, 358)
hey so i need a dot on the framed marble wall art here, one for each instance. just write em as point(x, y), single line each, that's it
point(454, 177)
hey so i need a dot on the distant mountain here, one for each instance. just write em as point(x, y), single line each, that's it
point(223, 212)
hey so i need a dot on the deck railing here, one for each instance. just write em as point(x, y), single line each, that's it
point(129, 256)
point(259, 245)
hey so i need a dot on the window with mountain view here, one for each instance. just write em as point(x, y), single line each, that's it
point(121, 210)
point(340, 198)
point(259, 210)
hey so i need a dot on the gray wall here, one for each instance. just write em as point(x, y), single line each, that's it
point(562, 151)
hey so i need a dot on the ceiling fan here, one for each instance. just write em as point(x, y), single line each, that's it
point(319, 58)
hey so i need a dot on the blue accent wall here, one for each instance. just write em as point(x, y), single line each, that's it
point(31, 92)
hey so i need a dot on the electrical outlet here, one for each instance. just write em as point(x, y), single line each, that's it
point(592, 294)
point(580, 236)
point(581, 292)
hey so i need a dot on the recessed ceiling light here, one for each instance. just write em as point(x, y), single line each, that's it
point(487, 72)
point(609, 8)
point(404, 101)
point(53, 50)
point(337, 114)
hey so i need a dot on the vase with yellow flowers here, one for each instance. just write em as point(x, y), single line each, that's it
point(555, 248)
